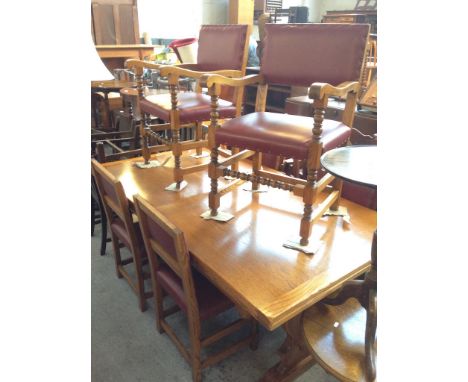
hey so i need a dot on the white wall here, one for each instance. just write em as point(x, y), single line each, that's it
point(215, 11)
point(170, 18)
point(182, 18)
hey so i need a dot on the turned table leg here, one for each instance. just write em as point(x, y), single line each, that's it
point(295, 358)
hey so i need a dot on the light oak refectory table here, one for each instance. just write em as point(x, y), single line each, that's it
point(245, 258)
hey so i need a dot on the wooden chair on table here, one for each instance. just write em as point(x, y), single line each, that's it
point(124, 230)
point(296, 55)
point(341, 332)
point(173, 274)
point(222, 49)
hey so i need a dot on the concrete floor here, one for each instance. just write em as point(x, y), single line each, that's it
point(127, 348)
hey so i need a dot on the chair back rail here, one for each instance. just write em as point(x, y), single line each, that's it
point(164, 240)
point(329, 53)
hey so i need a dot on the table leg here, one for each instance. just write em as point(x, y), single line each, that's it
point(295, 357)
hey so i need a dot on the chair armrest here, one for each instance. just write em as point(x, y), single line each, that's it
point(209, 80)
point(138, 65)
point(171, 70)
point(318, 89)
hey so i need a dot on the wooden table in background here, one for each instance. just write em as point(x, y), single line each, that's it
point(114, 56)
point(107, 87)
point(245, 257)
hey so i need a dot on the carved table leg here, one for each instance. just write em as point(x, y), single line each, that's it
point(295, 357)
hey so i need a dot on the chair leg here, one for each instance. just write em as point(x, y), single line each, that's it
point(337, 185)
point(177, 152)
point(256, 165)
point(196, 354)
point(103, 233)
point(158, 303)
point(213, 197)
point(195, 344)
point(198, 136)
point(140, 282)
point(306, 222)
point(93, 215)
point(117, 257)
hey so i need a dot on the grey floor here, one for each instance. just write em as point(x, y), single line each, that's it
point(126, 346)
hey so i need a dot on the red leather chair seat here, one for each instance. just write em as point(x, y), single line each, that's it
point(118, 227)
point(210, 300)
point(280, 134)
point(193, 107)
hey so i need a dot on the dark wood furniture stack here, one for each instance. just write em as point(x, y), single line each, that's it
point(353, 16)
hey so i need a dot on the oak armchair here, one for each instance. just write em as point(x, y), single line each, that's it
point(329, 59)
point(222, 49)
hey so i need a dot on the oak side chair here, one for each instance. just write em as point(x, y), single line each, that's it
point(341, 332)
point(173, 274)
point(296, 55)
point(124, 230)
point(222, 49)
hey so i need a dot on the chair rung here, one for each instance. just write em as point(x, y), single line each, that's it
point(170, 311)
point(325, 205)
point(148, 295)
point(225, 353)
point(224, 332)
point(128, 278)
point(177, 342)
point(127, 261)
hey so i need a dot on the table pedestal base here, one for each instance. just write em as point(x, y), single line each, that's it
point(294, 354)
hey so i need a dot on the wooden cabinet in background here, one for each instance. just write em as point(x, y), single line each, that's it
point(241, 11)
point(364, 121)
point(115, 22)
point(352, 16)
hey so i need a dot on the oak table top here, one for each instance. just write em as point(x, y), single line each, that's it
point(245, 257)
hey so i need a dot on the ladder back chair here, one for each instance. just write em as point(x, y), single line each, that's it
point(296, 55)
point(341, 332)
point(198, 298)
point(222, 49)
point(124, 230)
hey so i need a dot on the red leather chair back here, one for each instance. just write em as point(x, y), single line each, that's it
point(222, 47)
point(158, 232)
point(301, 54)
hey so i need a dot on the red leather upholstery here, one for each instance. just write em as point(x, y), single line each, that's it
point(330, 53)
point(158, 234)
point(192, 107)
point(117, 226)
point(221, 47)
point(210, 300)
point(280, 134)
